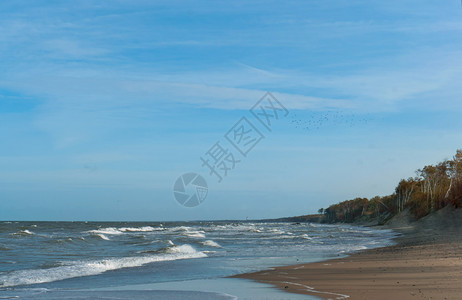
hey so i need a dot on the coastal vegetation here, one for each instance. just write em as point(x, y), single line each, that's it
point(433, 187)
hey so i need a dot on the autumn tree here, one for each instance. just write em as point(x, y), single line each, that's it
point(404, 192)
point(454, 171)
point(435, 184)
point(435, 187)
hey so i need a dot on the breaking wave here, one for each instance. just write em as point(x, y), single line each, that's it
point(89, 268)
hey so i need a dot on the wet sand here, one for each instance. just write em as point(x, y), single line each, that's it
point(426, 263)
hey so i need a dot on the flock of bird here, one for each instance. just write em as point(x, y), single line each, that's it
point(316, 121)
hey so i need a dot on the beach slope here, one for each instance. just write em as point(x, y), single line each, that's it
point(426, 263)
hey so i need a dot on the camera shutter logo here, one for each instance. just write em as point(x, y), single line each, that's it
point(190, 189)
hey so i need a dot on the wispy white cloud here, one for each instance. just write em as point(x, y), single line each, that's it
point(109, 77)
point(71, 49)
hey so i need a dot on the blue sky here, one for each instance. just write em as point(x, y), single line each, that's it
point(103, 104)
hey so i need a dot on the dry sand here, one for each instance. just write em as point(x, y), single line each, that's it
point(425, 264)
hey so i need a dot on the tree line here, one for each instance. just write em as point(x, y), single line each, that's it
point(433, 187)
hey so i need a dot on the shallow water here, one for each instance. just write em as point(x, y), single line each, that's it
point(60, 256)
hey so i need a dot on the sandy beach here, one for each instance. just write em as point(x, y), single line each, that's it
point(426, 263)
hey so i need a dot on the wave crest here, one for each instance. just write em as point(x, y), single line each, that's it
point(89, 268)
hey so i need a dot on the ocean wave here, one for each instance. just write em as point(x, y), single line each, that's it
point(211, 243)
point(148, 252)
point(188, 231)
point(305, 236)
point(237, 227)
point(52, 240)
point(24, 232)
point(186, 248)
point(170, 249)
point(279, 237)
point(109, 230)
point(277, 231)
point(90, 268)
point(180, 228)
point(122, 230)
point(195, 234)
point(102, 236)
point(140, 229)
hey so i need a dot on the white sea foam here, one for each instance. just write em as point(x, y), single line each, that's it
point(89, 268)
point(181, 228)
point(122, 230)
point(277, 231)
point(24, 232)
point(187, 249)
point(305, 236)
point(140, 229)
point(237, 227)
point(102, 236)
point(189, 232)
point(211, 243)
point(282, 236)
point(109, 230)
point(195, 234)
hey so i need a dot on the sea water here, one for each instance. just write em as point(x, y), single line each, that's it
point(175, 260)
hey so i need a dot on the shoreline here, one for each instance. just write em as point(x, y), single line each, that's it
point(426, 263)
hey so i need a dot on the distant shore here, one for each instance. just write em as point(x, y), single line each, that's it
point(426, 263)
